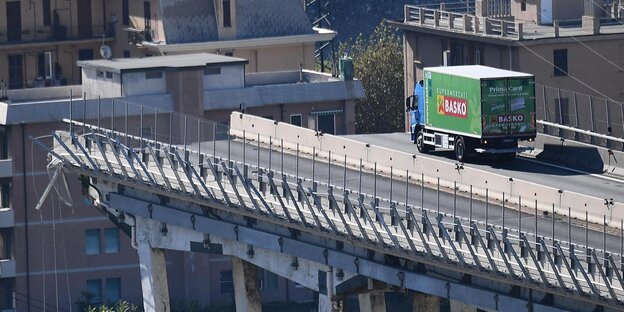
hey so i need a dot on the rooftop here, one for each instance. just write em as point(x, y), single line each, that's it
point(506, 29)
point(477, 71)
point(161, 62)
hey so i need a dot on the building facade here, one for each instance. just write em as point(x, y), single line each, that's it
point(569, 45)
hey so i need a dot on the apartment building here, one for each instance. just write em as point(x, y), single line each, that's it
point(61, 255)
point(572, 45)
point(41, 41)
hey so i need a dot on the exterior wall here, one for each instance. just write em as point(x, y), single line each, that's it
point(582, 64)
point(280, 58)
point(95, 86)
point(185, 87)
point(231, 77)
point(135, 83)
point(531, 13)
point(226, 33)
point(567, 10)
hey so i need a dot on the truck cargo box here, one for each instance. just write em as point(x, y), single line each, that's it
point(480, 102)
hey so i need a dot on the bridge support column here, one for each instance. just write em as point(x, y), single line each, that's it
point(246, 286)
point(153, 278)
point(425, 303)
point(372, 302)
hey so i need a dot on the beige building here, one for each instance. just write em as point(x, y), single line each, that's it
point(41, 41)
point(572, 45)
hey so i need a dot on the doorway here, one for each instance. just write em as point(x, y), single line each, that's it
point(84, 19)
point(14, 21)
point(16, 71)
point(326, 123)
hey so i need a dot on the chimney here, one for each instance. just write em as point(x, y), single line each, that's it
point(591, 16)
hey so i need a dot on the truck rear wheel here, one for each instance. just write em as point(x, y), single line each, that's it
point(460, 149)
point(420, 143)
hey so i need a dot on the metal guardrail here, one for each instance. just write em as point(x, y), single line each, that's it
point(399, 229)
point(580, 131)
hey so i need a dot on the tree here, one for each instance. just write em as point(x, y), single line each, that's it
point(378, 63)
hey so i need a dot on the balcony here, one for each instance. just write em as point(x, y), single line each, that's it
point(6, 168)
point(7, 268)
point(7, 218)
point(55, 34)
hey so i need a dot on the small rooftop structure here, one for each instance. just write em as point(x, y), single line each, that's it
point(162, 62)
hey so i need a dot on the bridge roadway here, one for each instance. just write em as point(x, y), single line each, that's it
point(597, 185)
point(171, 182)
point(429, 198)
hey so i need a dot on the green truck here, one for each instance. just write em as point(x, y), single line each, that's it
point(473, 110)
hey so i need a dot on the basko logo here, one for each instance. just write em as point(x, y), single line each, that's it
point(450, 106)
point(510, 118)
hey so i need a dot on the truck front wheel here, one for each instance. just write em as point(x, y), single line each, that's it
point(420, 143)
point(460, 149)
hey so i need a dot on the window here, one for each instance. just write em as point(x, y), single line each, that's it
point(113, 290)
point(6, 243)
point(268, 280)
point(229, 53)
point(92, 242)
point(111, 240)
point(561, 62)
point(227, 14)
point(523, 5)
point(109, 75)
point(227, 282)
point(147, 14)
point(126, 54)
point(46, 13)
point(153, 75)
point(100, 74)
point(94, 287)
point(212, 70)
point(295, 120)
point(5, 190)
point(125, 12)
point(85, 54)
point(44, 65)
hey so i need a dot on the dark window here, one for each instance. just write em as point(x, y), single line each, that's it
point(326, 123)
point(92, 242)
point(16, 69)
point(227, 282)
point(41, 66)
point(125, 12)
point(295, 120)
point(111, 241)
point(109, 75)
point(14, 21)
point(5, 199)
point(100, 74)
point(212, 71)
point(153, 75)
point(229, 53)
point(126, 54)
point(85, 54)
point(523, 5)
point(113, 290)
point(227, 14)
point(47, 16)
point(561, 62)
point(147, 14)
point(94, 287)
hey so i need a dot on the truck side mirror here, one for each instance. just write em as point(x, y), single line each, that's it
point(408, 103)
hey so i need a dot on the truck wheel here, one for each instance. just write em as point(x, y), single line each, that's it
point(420, 143)
point(460, 149)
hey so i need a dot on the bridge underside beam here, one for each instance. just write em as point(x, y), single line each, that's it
point(325, 251)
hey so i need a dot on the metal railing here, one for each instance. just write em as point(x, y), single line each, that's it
point(580, 117)
point(55, 33)
point(187, 164)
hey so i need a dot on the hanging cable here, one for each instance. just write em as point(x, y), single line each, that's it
point(64, 252)
point(34, 181)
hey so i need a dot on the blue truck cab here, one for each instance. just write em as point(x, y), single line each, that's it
point(416, 108)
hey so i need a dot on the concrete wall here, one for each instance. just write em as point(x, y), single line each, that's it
point(95, 86)
point(567, 10)
point(231, 77)
point(185, 87)
point(431, 168)
point(135, 83)
point(531, 13)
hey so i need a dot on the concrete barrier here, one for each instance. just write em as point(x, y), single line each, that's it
point(401, 163)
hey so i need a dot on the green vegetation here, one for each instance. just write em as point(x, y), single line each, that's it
point(378, 63)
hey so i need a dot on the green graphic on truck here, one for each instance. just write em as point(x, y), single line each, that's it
point(508, 106)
